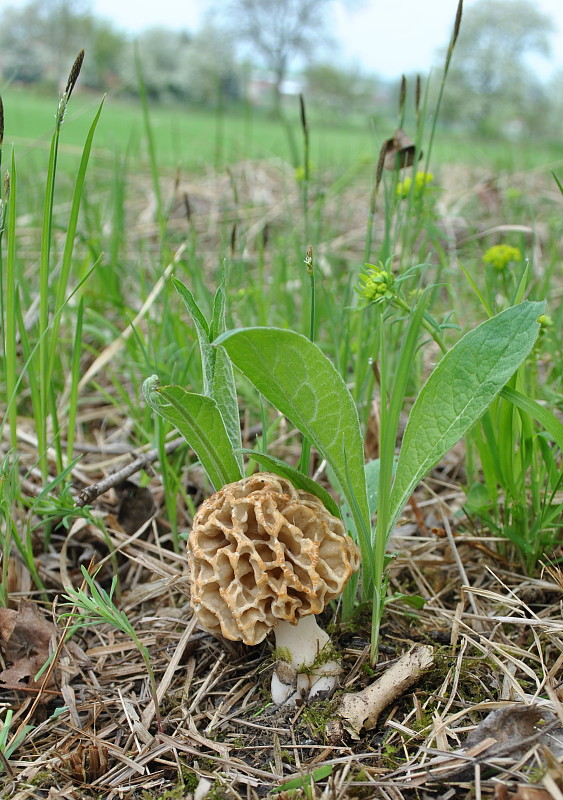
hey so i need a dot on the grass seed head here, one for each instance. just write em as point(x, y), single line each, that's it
point(71, 83)
point(74, 73)
point(402, 94)
point(455, 34)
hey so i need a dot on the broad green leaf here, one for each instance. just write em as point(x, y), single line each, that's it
point(298, 479)
point(298, 379)
point(459, 391)
point(198, 419)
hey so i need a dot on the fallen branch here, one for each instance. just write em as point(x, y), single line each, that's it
point(90, 493)
point(359, 710)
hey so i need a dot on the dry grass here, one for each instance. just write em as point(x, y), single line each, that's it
point(498, 641)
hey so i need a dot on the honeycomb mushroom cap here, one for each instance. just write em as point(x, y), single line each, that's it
point(261, 551)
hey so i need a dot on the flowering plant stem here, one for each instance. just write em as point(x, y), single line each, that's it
point(390, 413)
point(306, 444)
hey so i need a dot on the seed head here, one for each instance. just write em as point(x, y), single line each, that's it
point(71, 83)
point(402, 94)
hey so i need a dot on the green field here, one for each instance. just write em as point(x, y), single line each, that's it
point(189, 137)
point(194, 138)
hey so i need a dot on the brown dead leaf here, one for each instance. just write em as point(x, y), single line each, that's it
point(399, 150)
point(509, 727)
point(27, 638)
point(509, 731)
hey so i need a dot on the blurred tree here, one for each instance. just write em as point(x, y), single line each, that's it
point(104, 47)
point(278, 31)
point(210, 69)
point(491, 81)
point(554, 115)
point(162, 52)
point(177, 65)
point(39, 41)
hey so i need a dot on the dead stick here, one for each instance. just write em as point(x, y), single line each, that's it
point(96, 489)
point(361, 709)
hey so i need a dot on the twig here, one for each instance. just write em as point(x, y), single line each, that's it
point(90, 493)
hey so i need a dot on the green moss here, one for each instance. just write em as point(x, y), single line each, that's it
point(190, 779)
point(317, 715)
point(282, 654)
point(367, 670)
point(328, 653)
point(287, 757)
point(389, 758)
point(424, 722)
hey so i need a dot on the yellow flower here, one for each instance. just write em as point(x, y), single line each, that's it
point(500, 255)
point(376, 285)
point(421, 180)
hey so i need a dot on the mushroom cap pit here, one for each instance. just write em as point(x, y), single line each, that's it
point(261, 551)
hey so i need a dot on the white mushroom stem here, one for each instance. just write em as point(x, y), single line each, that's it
point(299, 647)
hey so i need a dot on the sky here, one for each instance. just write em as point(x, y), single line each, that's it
point(387, 37)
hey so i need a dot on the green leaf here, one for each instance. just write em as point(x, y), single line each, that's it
point(459, 391)
point(71, 225)
point(225, 395)
point(298, 479)
point(200, 423)
point(371, 470)
point(558, 182)
point(544, 416)
point(218, 322)
point(298, 379)
point(218, 376)
point(305, 780)
point(412, 600)
point(208, 353)
point(477, 498)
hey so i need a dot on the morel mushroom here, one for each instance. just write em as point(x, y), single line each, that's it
point(265, 556)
